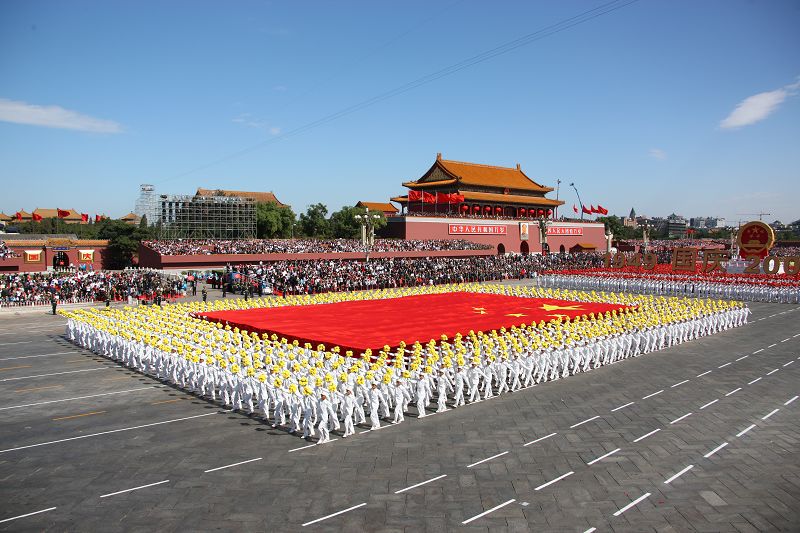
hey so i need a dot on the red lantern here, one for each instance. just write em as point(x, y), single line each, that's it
point(540, 212)
point(549, 212)
point(487, 209)
point(476, 209)
point(498, 210)
point(522, 211)
point(465, 207)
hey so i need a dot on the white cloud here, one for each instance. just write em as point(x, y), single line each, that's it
point(252, 122)
point(657, 153)
point(53, 116)
point(757, 107)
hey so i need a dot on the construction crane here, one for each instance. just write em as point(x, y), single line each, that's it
point(759, 215)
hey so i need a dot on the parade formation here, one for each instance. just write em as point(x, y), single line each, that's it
point(313, 390)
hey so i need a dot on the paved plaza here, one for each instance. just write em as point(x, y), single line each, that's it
point(704, 436)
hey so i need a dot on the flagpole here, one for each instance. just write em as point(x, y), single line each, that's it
point(579, 197)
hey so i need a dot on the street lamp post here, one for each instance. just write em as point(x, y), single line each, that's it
point(367, 221)
point(558, 187)
point(543, 223)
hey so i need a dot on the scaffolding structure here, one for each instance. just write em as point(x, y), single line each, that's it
point(147, 203)
point(206, 217)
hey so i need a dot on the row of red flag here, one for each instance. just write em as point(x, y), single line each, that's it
point(62, 213)
point(437, 198)
point(591, 210)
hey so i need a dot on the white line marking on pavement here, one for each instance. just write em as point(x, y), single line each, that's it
point(772, 371)
point(590, 530)
point(335, 514)
point(647, 435)
point(715, 450)
point(654, 394)
point(772, 345)
point(703, 374)
point(745, 430)
point(790, 400)
point(539, 439)
point(679, 383)
point(612, 452)
point(583, 422)
point(25, 515)
point(150, 387)
point(55, 374)
point(758, 351)
point(723, 366)
point(755, 380)
point(40, 355)
point(733, 391)
point(303, 448)
point(769, 414)
point(229, 466)
point(633, 503)
point(681, 418)
point(764, 318)
point(420, 484)
point(789, 363)
point(487, 459)
point(786, 339)
point(10, 343)
point(679, 474)
point(493, 509)
point(135, 488)
point(559, 478)
point(109, 432)
point(712, 402)
point(743, 357)
point(796, 335)
point(622, 406)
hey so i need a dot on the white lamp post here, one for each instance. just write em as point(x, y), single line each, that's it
point(367, 221)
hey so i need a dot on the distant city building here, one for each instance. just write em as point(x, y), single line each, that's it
point(715, 222)
point(697, 222)
point(147, 203)
point(676, 226)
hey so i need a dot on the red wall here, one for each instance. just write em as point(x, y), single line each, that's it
point(18, 264)
point(438, 228)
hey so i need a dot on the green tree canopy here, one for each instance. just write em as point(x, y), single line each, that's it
point(314, 222)
point(273, 221)
point(344, 224)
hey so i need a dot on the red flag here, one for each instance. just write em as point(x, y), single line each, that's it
point(18, 215)
point(442, 198)
point(593, 210)
point(575, 209)
point(84, 217)
point(414, 196)
point(602, 210)
point(428, 197)
point(36, 217)
point(62, 213)
point(98, 218)
point(585, 210)
point(456, 198)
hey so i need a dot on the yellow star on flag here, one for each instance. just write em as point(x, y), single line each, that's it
point(516, 314)
point(549, 307)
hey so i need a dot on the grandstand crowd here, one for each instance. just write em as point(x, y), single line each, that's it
point(311, 277)
point(6, 252)
point(71, 287)
point(302, 246)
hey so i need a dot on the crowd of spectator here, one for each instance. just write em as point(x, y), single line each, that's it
point(6, 252)
point(309, 277)
point(39, 288)
point(302, 246)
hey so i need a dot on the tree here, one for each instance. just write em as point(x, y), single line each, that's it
point(273, 221)
point(143, 222)
point(614, 224)
point(314, 222)
point(123, 241)
point(344, 224)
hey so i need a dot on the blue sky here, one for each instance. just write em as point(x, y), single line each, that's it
point(684, 106)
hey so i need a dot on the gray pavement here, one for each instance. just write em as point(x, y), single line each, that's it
point(79, 432)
